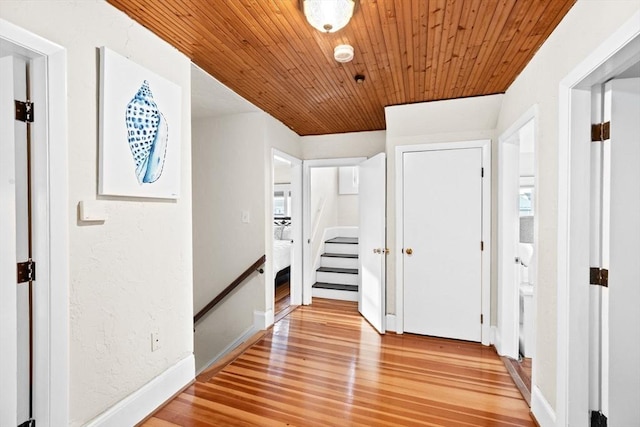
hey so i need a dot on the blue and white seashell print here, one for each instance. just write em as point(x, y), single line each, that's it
point(148, 134)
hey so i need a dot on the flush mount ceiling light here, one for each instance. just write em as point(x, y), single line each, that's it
point(343, 53)
point(328, 15)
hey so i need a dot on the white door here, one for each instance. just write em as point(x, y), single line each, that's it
point(621, 254)
point(14, 314)
point(442, 205)
point(509, 236)
point(371, 240)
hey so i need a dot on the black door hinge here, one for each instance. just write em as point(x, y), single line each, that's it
point(600, 132)
point(26, 271)
point(24, 111)
point(481, 172)
point(599, 276)
point(482, 319)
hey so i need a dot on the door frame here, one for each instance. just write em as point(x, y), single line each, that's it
point(485, 145)
point(507, 332)
point(51, 222)
point(296, 224)
point(616, 53)
point(307, 263)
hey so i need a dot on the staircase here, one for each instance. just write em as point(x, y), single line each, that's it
point(337, 277)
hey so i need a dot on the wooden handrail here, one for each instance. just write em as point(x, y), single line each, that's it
point(229, 288)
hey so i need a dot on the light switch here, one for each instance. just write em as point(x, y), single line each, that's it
point(92, 210)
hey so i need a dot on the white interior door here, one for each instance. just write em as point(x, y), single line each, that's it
point(509, 236)
point(442, 205)
point(14, 305)
point(372, 242)
point(621, 255)
point(8, 288)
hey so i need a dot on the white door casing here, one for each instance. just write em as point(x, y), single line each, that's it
point(485, 220)
point(372, 240)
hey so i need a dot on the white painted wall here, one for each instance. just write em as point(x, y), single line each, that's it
point(228, 174)
point(348, 210)
point(131, 275)
point(355, 144)
point(324, 204)
point(432, 122)
point(282, 174)
point(539, 84)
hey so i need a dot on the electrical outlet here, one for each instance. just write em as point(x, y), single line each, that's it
point(155, 341)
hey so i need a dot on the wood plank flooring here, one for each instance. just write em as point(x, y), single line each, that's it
point(323, 365)
point(282, 298)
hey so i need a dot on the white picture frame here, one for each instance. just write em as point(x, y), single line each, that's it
point(140, 130)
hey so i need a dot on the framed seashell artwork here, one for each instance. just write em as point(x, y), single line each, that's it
point(140, 130)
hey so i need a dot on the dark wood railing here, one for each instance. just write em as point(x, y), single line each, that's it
point(199, 315)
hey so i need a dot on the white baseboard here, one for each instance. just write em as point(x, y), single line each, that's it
point(135, 407)
point(262, 320)
point(252, 330)
point(390, 323)
point(541, 409)
point(487, 334)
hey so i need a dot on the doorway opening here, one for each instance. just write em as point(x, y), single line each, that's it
point(345, 235)
point(49, 199)
point(517, 249)
point(444, 242)
point(577, 223)
point(286, 227)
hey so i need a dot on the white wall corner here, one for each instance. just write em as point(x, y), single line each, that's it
point(497, 340)
point(135, 407)
point(493, 336)
point(391, 323)
point(541, 409)
point(262, 320)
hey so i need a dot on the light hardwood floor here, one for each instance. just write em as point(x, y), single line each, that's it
point(324, 365)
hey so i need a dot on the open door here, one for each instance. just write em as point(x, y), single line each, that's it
point(372, 242)
point(508, 237)
point(8, 256)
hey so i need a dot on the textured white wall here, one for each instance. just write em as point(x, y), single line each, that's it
point(432, 122)
point(539, 84)
point(131, 275)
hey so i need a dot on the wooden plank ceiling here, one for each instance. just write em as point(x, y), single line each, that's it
point(409, 51)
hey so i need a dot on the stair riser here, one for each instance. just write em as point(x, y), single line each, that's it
point(340, 248)
point(333, 294)
point(346, 279)
point(338, 262)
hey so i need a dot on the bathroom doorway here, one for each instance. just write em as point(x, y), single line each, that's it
point(517, 250)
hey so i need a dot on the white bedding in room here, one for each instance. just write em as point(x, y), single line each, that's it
point(281, 255)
